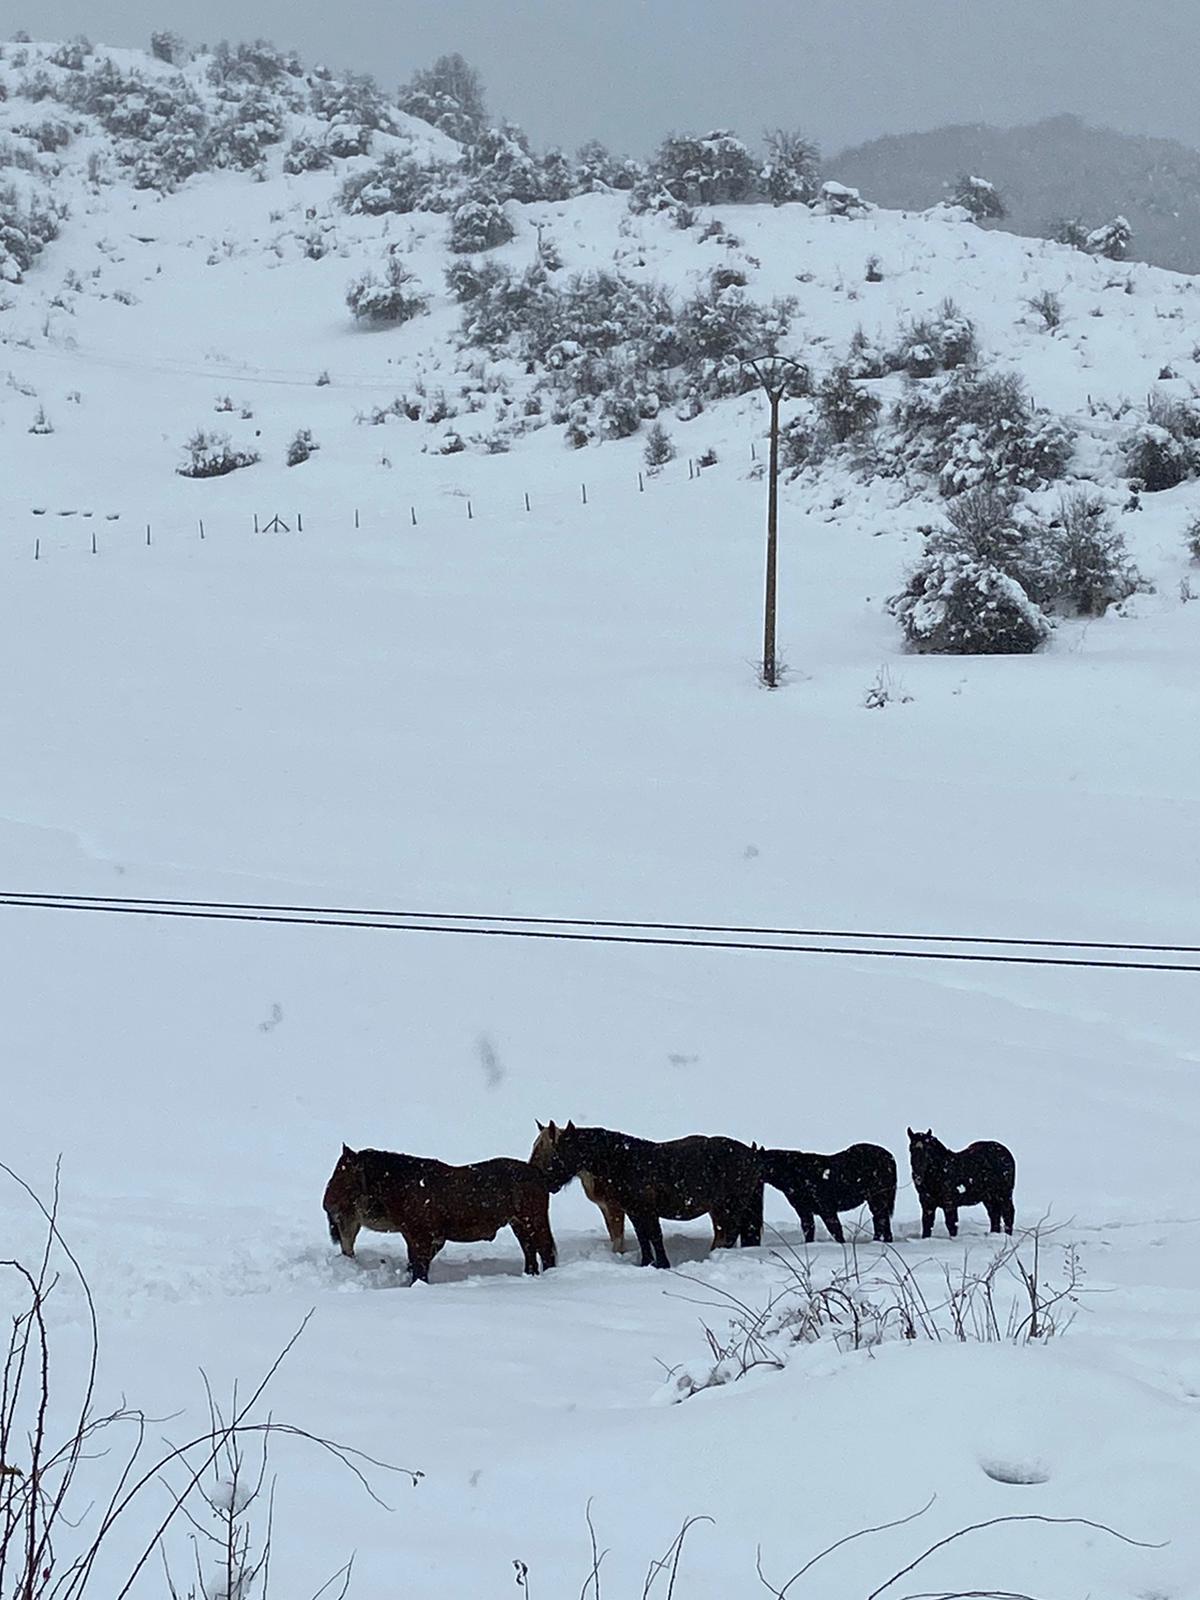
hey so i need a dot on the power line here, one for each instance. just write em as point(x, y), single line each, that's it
point(578, 931)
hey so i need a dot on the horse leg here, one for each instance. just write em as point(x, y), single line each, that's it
point(526, 1239)
point(928, 1213)
point(808, 1225)
point(648, 1227)
point(724, 1230)
point(993, 1211)
point(752, 1222)
point(1008, 1214)
point(614, 1221)
point(421, 1251)
point(950, 1212)
point(833, 1223)
point(881, 1216)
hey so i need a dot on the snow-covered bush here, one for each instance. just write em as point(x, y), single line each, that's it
point(845, 408)
point(480, 223)
point(596, 168)
point(301, 447)
point(177, 152)
point(305, 154)
point(791, 169)
point(979, 197)
point(839, 200)
point(250, 125)
point(659, 449)
point(73, 54)
point(1048, 306)
point(952, 605)
point(212, 455)
point(169, 47)
point(720, 326)
point(1192, 538)
point(1111, 240)
point(502, 163)
point(354, 106)
point(927, 345)
point(27, 225)
point(1164, 450)
point(1070, 231)
point(1088, 558)
point(257, 64)
point(448, 95)
point(713, 169)
point(399, 182)
point(386, 301)
point(978, 427)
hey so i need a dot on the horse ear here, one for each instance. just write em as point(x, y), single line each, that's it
point(911, 1134)
point(541, 1126)
point(929, 1133)
point(346, 1150)
point(570, 1127)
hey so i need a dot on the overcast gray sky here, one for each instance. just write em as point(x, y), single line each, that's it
point(628, 71)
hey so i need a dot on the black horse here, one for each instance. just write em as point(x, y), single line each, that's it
point(821, 1186)
point(679, 1178)
point(985, 1173)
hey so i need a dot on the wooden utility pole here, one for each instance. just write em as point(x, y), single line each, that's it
point(778, 376)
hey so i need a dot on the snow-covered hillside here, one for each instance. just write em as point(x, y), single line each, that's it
point(484, 672)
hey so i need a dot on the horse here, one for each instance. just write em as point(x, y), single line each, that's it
point(985, 1173)
point(678, 1178)
point(597, 1190)
point(821, 1186)
point(430, 1202)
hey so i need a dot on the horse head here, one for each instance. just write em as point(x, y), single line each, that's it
point(554, 1154)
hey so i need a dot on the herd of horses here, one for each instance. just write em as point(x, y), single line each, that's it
point(430, 1202)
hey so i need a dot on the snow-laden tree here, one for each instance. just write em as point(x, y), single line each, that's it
point(597, 168)
point(791, 168)
point(712, 169)
point(480, 223)
point(400, 182)
point(501, 161)
point(979, 196)
point(389, 300)
point(952, 605)
point(449, 96)
point(1112, 240)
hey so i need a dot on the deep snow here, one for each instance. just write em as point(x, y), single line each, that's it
point(554, 712)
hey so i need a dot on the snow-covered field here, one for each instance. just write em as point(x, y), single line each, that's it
point(553, 712)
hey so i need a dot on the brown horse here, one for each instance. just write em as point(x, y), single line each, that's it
point(678, 1178)
point(597, 1190)
point(429, 1202)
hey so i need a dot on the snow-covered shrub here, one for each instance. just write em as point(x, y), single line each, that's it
point(596, 168)
point(250, 125)
point(73, 54)
point(1048, 306)
point(1091, 566)
point(355, 102)
point(212, 455)
point(41, 422)
point(978, 427)
point(720, 326)
point(502, 163)
point(979, 197)
point(306, 155)
point(845, 408)
point(1164, 450)
point(713, 169)
point(257, 63)
point(480, 223)
point(791, 169)
point(177, 152)
point(448, 95)
point(398, 182)
point(1192, 538)
point(952, 605)
point(621, 411)
point(659, 449)
point(169, 47)
point(940, 343)
point(26, 227)
point(839, 200)
point(301, 447)
point(386, 301)
point(1111, 240)
point(1070, 231)
point(49, 135)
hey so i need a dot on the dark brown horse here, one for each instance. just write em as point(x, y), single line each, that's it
point(430, 1202)
point(597, 1191)
point(679, 1178)
point(985, 1173)
point(821, 1186)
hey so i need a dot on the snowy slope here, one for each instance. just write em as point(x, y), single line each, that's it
point(552, 711)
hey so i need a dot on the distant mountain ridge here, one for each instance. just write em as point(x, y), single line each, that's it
point(1060, 167)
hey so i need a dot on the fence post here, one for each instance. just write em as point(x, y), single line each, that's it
point(256, 522)
point(583, 491)
point(37, 549)
point(202, 527)
point(299, 522)
point(413, 510)
point(356, 517)
point(470, 512)
point(527, 499)
point(147, 533)
point(93, 542)
point(641, 484)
